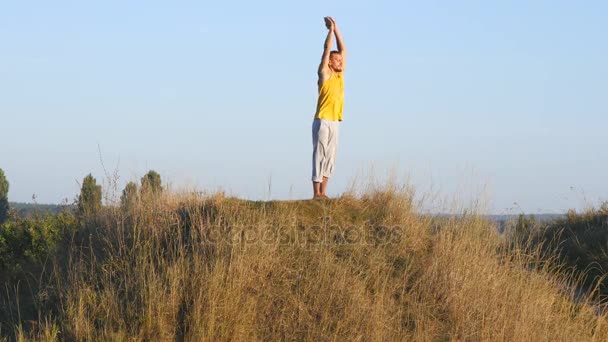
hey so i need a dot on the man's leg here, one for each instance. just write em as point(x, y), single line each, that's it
point(324, 186)
point(316, 188)
point(320, 135)
point(332, 146)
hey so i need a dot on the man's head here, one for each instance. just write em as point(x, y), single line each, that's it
point(335, 61)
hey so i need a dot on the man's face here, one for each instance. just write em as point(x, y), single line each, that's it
point(335, 62)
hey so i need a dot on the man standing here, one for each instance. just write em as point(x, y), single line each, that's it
point(329, 110)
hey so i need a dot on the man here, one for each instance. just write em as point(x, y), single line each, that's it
point(329, 110)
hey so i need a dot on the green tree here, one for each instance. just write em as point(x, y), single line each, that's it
point(3, 197)
point(89, 201)
point(150, 182)
point(129, 196)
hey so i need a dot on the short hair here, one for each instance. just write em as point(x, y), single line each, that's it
point(334, 52)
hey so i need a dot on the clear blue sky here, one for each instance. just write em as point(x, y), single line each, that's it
point(507, 96)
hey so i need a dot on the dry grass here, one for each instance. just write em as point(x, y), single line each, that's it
point(355, 268)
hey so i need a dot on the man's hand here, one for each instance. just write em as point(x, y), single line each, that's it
point(335, 26)
point(330, 23)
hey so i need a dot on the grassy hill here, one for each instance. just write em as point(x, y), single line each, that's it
point(365, 267)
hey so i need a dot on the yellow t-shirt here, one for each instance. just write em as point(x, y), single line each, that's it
point(331, 98)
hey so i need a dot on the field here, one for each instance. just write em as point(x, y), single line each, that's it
point(364, 266)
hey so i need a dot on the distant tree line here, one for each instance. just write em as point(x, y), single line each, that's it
point(89, 200)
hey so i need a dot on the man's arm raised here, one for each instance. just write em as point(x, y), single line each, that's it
point(340, 42)
point(324, 66)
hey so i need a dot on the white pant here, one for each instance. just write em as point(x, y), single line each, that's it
point(325, 143)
